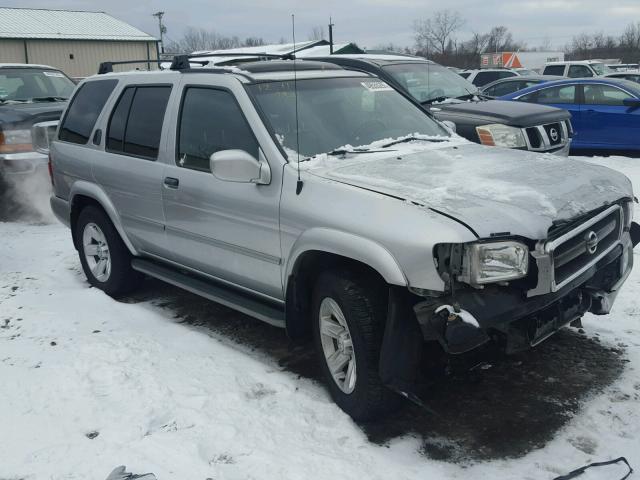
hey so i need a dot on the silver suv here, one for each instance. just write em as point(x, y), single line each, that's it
point(325, 202)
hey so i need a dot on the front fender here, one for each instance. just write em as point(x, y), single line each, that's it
point(347, 245)
point(95, 192)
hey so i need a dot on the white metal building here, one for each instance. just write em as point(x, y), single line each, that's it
point(73, 41)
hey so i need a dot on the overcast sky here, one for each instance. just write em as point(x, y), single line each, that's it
point(367, 22)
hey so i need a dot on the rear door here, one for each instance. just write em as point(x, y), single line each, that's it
point(128, 168)
point(606, 121)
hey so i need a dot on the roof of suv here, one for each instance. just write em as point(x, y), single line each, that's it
point(26, 65)
point(253, 71)
point(378, 59)
point(573, 62)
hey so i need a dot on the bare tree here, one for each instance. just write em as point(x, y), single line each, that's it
point(198, 39)
point(316, 33)
point(434, 34)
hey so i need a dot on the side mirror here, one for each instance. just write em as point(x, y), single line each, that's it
point(239, 166)
point(450, 125)
point(42, 134)
point(631, 102)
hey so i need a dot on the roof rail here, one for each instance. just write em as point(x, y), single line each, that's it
point(107, 67)
point(183, 62)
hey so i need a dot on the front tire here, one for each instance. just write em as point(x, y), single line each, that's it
point(105, 259)
point(349, 313)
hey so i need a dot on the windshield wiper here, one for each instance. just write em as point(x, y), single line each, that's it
point(345, 151)
point(49, 99)
point(413, 139)
point(433, 100)
point(10, 101)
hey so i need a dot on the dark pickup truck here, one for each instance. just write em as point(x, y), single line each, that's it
point(449, 97)
point(28, 94)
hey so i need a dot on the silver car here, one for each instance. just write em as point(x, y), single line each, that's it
point(323, 201)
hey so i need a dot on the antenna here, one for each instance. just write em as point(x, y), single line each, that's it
point(331, 25)
point(295, 90)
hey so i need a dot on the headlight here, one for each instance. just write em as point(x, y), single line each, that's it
point(494, 262)
point(498, 135)
point(15, 141)
point(627, 210)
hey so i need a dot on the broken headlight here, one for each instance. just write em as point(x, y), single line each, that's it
point(493, 262)
point(498, 135)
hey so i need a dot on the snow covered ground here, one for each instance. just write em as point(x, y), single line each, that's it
point(88, 383)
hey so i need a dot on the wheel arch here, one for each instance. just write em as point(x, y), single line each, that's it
point(321, 249)
point(83, 194)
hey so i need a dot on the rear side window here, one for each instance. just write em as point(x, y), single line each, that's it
point(211, 121)
point(565, 94)
point(504, 88)
point(84, 110)
point(464, 74)
point(136, 123)
point(554, 70)
point(482, 78)
point(579, 71)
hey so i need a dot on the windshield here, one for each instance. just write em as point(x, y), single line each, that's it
point(27, 84)
point(334, 113)
point(428, 81)
point(601, 68)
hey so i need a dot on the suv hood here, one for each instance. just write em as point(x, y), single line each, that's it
point(491, 190)
point(517, 114)
point(16, 115)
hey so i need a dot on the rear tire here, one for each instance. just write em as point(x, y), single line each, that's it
point(349, 314)
point(105, 259)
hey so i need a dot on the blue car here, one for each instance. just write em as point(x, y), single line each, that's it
point(605, 112)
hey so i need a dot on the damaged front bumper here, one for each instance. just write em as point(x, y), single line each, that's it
point(472, 317)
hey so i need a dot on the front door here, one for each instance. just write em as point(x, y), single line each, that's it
point(607, 121)
point(227, 230)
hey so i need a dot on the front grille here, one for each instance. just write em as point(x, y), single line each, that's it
point(571, 250)
point(550, 136)
point(580, 250)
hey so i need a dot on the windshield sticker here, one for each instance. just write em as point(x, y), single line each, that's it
point(376, 86)
point(53, 74)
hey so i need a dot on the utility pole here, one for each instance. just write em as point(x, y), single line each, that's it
point(162, 28)
point(330, 36)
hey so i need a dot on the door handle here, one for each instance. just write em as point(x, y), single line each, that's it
point(171, 182)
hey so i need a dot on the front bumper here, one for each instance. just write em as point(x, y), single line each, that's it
point(519, 321)
point(22, 163)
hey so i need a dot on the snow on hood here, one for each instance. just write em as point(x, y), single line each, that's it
point(493, 190)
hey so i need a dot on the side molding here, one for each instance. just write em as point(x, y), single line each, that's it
point(92, 190)
point(347, 245)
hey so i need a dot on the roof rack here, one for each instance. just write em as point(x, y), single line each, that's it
point(107, 67)
point(183, 62)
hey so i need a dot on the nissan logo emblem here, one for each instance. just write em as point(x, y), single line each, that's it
point(553, 133)
point(591, 242)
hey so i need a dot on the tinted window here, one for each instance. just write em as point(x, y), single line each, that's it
point(506, 74)
point(554, 70)
point(144, 125)
point(565, 94)
point(84, 110)
point(118, 122)
point(579, 71)
point(504, 88)
point(604, 95)
point(482, 78)
point(210, 121)
point(464, 74)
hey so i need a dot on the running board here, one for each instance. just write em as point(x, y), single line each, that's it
point(224, 295)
